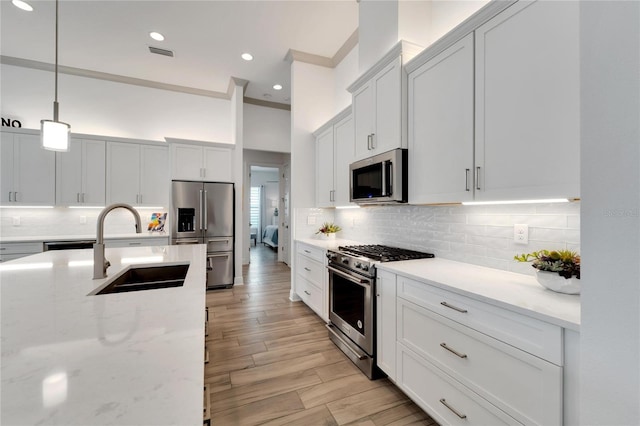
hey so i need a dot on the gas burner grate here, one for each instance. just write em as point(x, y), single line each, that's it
point(384, 253)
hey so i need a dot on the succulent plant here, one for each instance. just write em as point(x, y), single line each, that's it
point(328, 228)
point(565, 262)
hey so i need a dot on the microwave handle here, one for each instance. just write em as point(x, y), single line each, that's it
point(384, 178)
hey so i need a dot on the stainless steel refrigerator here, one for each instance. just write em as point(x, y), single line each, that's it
point(203, 213)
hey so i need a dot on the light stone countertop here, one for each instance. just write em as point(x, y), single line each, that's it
point(133, 235)
point(326, 243)
point(516, 292)
point(134, 358)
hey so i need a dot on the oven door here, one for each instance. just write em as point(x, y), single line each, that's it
point(351, 306)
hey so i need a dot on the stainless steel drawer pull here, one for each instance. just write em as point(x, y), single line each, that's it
point(307, 269)
point(445, 304)
point(307, 251)
point(453, 410)
point(478, 177)
point(135, 244)
point(453, 351)
point(307, 293)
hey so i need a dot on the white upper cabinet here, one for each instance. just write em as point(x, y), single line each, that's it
point(202, 163)
point(378, 99)
point(344, 151)
point(81, 174)
point(325, 172)
point(334, 154)
point(441, 127)
point(528, 102)
point(28, 171)
point(138, 174)
point(494, 107)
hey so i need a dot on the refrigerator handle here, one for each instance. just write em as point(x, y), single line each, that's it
point(201, 204)
point(206, 215)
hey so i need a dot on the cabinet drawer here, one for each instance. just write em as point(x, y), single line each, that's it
point(536, 337)
point(314, 253)
point(137, 242)
point(525, 386)
point(20, 248)
point(311, 270)
point(431, 389)
point(310, 294)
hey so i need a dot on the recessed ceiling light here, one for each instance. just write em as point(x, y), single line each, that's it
point(156, 36)
point(277, 86)
point(247, 56)
point(22, 5)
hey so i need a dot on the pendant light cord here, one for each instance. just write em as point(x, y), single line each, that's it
point(55, 101)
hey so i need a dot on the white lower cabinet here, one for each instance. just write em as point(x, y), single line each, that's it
point(524, 386)
point(465, 361)
point(311, 280)
point(10, 251)
point(446, 401)
point(137, 242)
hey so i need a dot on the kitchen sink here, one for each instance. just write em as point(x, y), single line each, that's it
point(147, 277)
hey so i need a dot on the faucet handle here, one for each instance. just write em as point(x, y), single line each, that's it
point(106, 264)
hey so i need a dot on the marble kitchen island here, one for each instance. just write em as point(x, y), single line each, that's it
point(134, 358)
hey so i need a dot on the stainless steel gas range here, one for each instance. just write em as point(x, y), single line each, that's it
point(352, 310)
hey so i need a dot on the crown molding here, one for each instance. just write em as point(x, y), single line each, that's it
point(80, 72)
point(323, 61)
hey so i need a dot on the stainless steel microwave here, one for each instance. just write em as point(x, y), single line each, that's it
point(379, 179)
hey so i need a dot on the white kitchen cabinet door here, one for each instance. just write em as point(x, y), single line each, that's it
point(527, 102)
point(81, 174)
point(123, 173)
point(363, 120)
point(218, 164)
point(344, 153)
point(155, 182)
point(6, 168)
point(325, 169)
point(28, 171)
point(388, 108)
point(186, 162)
point(440, 116)
point(386, 322)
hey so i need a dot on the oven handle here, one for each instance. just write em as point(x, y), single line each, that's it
point(362, 282)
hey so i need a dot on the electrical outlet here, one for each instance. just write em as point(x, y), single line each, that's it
point(83, 220)
point(521, 234)
point(311, 220)
point(16, 220)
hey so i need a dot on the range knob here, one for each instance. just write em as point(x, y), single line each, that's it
point(332, 256)
point(345, 260)
point(358, 265)
point(364, 267)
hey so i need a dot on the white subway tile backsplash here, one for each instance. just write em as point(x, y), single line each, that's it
point(482, 235)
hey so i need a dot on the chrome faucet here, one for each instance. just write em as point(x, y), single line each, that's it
point(100, 264)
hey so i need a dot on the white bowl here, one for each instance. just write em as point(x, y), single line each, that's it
point(558, 283)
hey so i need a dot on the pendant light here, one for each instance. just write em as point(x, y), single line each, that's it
point(55, 134)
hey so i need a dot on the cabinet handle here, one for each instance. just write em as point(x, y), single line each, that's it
point(135, 244)
point(140, 198)
point(307, 251)
point(466, 179)
point(15, 196)
point(453, 351)
point(77, 197)
point(453, 410)
point(307, 269)
point(307, 293)
point(455, 308)
point(373, 145)
point(369, 142)
point(478, 177)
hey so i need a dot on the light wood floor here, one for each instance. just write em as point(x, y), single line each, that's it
point(271, 362)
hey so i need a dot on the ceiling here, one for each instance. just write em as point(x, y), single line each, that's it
point(207, 38)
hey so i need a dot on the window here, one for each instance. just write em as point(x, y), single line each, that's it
point(254, 209)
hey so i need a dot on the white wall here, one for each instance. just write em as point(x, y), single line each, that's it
point(378, 30)
point(108, 108)
point(446, 15)
point(610, 182)
point(267, 129)
point(345, 73)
